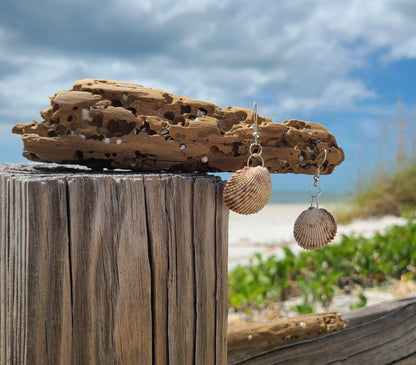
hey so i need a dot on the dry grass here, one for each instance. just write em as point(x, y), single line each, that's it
point(392, 195)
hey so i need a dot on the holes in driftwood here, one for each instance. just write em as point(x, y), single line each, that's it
point(179, 119)
point(202, 111)
point(234, 151)
point(60, 130)
point(116, 103)
point(133, 110)
point(174, 119)
point(146, 128)
point(311, 147)
point(119, 128)
point(241, 116)
point(69, 118)
point(168, 98)
point(185, 109)
point(226, 124)
point(169, 115)
point(97, 121)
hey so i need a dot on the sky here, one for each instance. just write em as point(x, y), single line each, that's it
point(343, 64)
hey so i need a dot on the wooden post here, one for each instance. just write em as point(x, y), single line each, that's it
point(111, 267)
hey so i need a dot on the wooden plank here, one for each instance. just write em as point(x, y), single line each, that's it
point(379, 334)
point(133, 304)
point(204, 245)
point(221, 275)
point(48, 287)
point(181, 288)
point(4, 264)
point(159, 262)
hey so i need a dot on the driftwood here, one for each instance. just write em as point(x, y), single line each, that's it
point(283, 330)
point(111, 268)
point(377, 335)
point(110, 124)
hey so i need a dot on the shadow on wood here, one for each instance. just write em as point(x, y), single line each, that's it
point(111, 267)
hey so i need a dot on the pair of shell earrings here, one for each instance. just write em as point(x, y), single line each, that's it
point(250, 188)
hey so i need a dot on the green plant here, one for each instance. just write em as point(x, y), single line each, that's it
point(320, 275)
point(362, 301)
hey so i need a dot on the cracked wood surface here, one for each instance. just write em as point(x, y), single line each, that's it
point(113, 124)
point(111, 267)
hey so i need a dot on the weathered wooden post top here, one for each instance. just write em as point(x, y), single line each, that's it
point(105, 266)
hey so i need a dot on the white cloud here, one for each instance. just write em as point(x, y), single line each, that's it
point(301, 54)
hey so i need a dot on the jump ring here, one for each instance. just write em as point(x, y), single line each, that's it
point(315, 194)
point(258, 145)
point(255, 155)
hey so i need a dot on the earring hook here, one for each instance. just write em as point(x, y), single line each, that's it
point(318, 169)
point(256, 133)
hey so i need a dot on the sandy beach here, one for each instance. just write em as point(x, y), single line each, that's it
point(269, 230)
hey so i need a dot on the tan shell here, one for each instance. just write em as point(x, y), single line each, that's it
point(248, 190)
point(314, 228)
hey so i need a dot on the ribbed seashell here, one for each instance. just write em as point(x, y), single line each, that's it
point(314, 228)
point(248, 190)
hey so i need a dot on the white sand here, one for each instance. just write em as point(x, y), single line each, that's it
point(269, 230)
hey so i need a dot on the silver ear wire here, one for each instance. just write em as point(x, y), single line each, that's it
point(318, 169)
point(256, 135)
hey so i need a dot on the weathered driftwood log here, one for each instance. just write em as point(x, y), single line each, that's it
point(111, 268)
point(283, 330)
point(111, 124)
point(381, 334)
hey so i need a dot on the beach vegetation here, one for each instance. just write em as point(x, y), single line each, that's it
point(384, 195)
point(317, 276)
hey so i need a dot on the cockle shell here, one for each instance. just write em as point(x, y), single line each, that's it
point(314, 228)
point(248, 190)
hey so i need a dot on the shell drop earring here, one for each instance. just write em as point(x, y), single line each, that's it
point(315, 227)
point(249, 189)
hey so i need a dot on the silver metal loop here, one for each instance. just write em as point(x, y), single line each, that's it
point(258, 145)
point(255, 155)
point(315, 194)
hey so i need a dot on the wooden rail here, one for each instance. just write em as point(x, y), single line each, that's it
point(111, 267)
point(377, 335)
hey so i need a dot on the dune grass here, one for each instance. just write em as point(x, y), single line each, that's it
point(384, 195)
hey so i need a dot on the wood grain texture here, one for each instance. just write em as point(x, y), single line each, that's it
point(111, 267)
point(381, 334)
